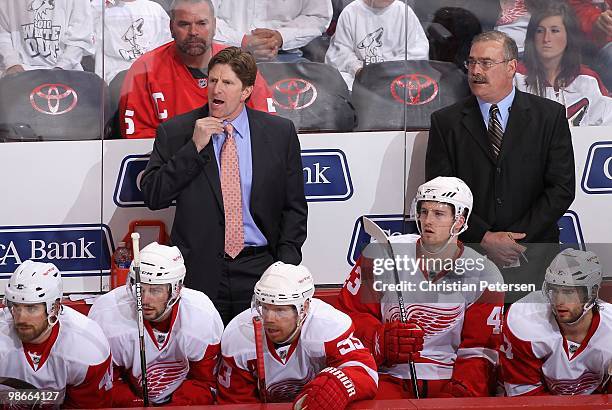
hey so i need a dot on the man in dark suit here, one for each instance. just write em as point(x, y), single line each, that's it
point(236, 176)
point(514, 150)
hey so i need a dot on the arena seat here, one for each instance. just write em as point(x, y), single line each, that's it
point(397, 95)
point(53, 105)
point(316, 49)
point(313, 95)
point(115, 95)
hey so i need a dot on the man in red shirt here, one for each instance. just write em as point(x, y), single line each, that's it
point(173, 78)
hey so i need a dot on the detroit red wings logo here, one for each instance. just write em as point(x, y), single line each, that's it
point(585, 384)
point(433, 319)
point(162, 375)
point(288, 389)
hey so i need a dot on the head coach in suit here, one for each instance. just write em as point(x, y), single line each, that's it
point(236, 176)
point(514, 150)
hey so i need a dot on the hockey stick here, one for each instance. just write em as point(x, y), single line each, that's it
point(138, 290)
point(259, 351)
point(375, 232)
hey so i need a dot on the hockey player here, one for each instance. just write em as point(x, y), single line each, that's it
point(453, 324)
point(45, 345)
point(182, 334)
point(557, 341)
point(173, 78)
point(310, 353)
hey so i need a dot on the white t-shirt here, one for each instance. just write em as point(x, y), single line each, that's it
point(131, 28)
point(366, 35)
point(45, 33)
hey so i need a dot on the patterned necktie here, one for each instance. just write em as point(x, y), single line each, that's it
point(495, 130)
point(232, 196)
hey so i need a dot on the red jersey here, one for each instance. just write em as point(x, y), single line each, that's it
point(159, 86)
point(462, 328)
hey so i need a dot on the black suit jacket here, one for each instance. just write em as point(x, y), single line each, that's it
point(531, 184)
point(176, 171)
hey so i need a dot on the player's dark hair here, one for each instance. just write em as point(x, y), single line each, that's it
point(242, 64)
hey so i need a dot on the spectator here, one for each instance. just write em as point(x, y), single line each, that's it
point(172, 79)
point(131, 28)
point(552, 68)
point(513, 18)
point(373, 31)
point(596, 22)
point(44, 34)
point(518, 162)
point(595, 19)
point(272, 29)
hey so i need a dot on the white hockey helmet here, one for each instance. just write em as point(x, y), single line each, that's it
point(285, 284)
point(35, 282)
point(160, 265)
point(447, 190)
point(575, 268)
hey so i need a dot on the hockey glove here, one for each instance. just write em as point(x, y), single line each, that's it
point(330, 390)
point(397, 343)
point(454, 388)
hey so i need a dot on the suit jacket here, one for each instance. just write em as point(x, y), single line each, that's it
point(530, 185)
point(176, 171)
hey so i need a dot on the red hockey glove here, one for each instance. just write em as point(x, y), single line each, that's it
point(454, 388)
point(397, 342)
point(331, 389)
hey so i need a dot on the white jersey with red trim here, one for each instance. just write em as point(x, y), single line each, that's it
point(75, 361)
point(585, 99)
point(460, 314)
point(538, 359)
point(326, 340)
point(195, 333)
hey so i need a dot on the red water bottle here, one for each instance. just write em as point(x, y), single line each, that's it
point(120, 267)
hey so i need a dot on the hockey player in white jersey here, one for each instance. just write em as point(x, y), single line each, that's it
point(559, 341)
point(309, 352)
point(452, 326)
point(45, 345)
point(182, 334)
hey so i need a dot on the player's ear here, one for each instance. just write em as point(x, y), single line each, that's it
point(246, 93)
point(460, 223)
point(306, 307)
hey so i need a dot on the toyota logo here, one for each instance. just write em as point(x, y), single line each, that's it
point(294, 93)
point(414, 89)
point(53, 99)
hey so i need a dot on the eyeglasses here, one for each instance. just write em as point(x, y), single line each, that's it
point(485, 64)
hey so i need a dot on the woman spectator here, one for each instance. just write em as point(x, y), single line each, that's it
point(552, 68)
